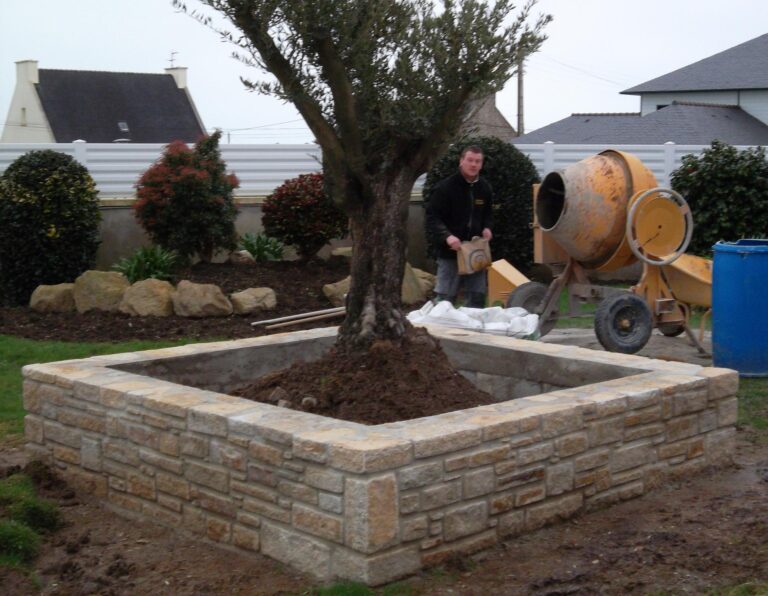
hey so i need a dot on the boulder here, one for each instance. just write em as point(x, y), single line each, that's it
point(99, 290)
point(148, 298)
point(241, 256)
point(253, 299)
point(57, 298)
point(200, 300)
point(416, 285)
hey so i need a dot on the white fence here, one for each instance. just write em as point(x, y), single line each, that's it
point(261, 168)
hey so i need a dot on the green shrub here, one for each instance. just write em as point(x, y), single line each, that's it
point(148, 262)
point(262, 247)
point(50, 223)
point(512, 175)
point(185, 200)
point(36, 513)
point(15, 488)
point(727, 191)
point(18, 542)
point(300, 213)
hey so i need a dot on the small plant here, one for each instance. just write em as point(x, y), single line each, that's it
point(36, 513)
point(185, 200)
point(50, 223)
point(148, 262)
point(300, 213)
point(18, 542)
point(262, 247)
point(727, 191)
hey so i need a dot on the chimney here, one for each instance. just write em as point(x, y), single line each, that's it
point(26, 70)
point(179, 74)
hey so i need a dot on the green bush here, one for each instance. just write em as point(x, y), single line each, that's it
point(50, 223)
point(727, 191)
point(18, 542)
point(36, 513)
point(185, 200)
point(300, 213)
point(262, 247)
point(148, 262)
point(512, 175)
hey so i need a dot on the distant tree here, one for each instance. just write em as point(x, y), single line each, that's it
point(384, 85)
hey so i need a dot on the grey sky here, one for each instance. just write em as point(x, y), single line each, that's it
point(596, 48)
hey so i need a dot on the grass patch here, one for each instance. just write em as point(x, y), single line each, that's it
point(753, 406)
point(17, 352)
point(19, 543)
point(358, 589)
point(754, 588)
point(15, 489)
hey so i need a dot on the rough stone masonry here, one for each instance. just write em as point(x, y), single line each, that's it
point(155, 435)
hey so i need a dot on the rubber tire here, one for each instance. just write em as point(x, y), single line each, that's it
point(623, 307)
point(529, 296)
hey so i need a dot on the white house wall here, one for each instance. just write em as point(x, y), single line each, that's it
point(650, 101)
point(31, 127)
point(755, 103)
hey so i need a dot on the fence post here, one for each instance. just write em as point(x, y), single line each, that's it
point(669, 162)
point(549, 156)
point(81, 152)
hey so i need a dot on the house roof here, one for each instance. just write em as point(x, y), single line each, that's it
point(90, 105)
point(684, 123)
point(744, 66)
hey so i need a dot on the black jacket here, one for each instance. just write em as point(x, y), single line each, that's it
point(458, 208)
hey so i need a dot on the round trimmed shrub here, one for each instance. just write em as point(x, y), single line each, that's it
point(300, 213)
point(185, 200)
point(49, 223)
point(727, 191)
point(512, 175)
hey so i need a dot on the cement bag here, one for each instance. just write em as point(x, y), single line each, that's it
point(473, 256)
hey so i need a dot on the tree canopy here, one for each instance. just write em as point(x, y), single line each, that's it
point(384, 86)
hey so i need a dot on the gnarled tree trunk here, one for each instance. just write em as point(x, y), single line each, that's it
point(379, 237)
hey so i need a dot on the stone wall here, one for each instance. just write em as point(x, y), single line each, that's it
point(374, 503)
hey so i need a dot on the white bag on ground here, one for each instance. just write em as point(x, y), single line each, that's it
point(512, 322)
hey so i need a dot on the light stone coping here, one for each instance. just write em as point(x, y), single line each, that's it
point(355, 447)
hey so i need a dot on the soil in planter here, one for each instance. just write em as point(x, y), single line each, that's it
point(389, 383)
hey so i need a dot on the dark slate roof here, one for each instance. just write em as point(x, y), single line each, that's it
point(744, 66)
point(681, 122)
point(89, 105)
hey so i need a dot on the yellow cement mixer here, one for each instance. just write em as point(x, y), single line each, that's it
point(607, 212)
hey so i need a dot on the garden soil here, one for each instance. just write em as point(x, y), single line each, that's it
point(688, 537)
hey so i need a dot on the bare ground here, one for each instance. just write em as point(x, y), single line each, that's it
point(690, 537)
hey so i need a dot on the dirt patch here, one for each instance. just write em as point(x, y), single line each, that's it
point(391, 382)
point(686, 538)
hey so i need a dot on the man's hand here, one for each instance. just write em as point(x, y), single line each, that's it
point(453, 242)
point(487, 235)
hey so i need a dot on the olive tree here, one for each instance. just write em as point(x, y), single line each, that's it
point(384, 86)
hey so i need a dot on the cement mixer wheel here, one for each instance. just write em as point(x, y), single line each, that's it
point(530, 296)
point(623, 323)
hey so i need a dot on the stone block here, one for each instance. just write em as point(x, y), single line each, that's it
point(210, 476)
point(634, 433)
point(317, 523)
point(327, 480)
point(414, 528)
point(33, 429)
point(90, 453)
point(297, 491)
point(245, 538)
point(528, 495)
point(479, 482)
point(682, 428)
point(552, 510)
point(371, 513)
point(194, 445)
point(377, 569)
point(555, 424)
point(572, 444)
point(721, 382)
point(441, 495)
point(417, 475)
point(228, 456)
point(218, 530)
point(223, 505)
point(294, 548)
point(332, 503)
point(720, 445)
point(61, 434)
point(268, 510)
point(631, 456)
point(559, 478)
point(521, 477)
point(538, 452)
point(606, 431)
point(614, 495)
point(727, 411)
point(140, 486)
point(465, 520)
point(66, 454)
point(511, 524)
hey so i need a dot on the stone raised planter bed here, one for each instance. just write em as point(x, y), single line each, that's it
point(155, 435)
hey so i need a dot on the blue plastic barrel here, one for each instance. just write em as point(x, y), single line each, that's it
point(740, 307)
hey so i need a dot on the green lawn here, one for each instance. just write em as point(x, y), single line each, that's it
point(15, 353)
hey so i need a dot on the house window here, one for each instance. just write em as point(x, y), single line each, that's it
point(123, 126)
point(23, 116)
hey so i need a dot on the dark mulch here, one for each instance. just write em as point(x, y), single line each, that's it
point(389, 382)
point(298, 287)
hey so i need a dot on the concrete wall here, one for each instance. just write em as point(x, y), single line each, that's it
point(338, 499)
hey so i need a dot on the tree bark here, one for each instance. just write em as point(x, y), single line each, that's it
point(379, 243)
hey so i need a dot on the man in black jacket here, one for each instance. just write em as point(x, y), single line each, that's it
point(459, 209)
